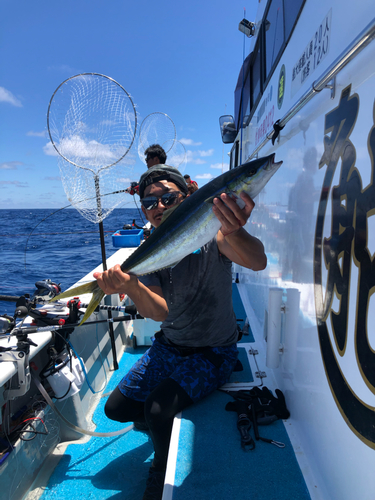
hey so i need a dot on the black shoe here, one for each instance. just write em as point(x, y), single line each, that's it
point(141, 426)
point(154, 485)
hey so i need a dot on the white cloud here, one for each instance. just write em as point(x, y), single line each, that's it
point(49, 150)
point(204, 176)
point(124, 180)
point(191, 158)
point(62, 68)
point(14, 183)
point(10, 165)
point(89, 154)
point(189, 142)
point(195, 157)
point(209, 152)
point(219, 166)
point(56, 178)
point(37, 134)
point(7, 96)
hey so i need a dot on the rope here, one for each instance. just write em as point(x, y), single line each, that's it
point(69, 424)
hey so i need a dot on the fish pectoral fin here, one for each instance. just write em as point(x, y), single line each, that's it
point(78, 290)
point(232, 194)
point(210, 200)
point(167, 213)
point(96, 298)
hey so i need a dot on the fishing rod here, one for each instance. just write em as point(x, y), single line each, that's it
point(28, 330)
point(46, 290)
point(62, 326)
point(19, 354)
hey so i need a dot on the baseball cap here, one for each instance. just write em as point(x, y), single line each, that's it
point(160, 173)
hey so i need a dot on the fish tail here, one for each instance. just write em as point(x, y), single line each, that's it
point(96, 298)
point(78, 290)
point(92, 287)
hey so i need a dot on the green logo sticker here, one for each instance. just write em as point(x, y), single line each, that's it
point(281, 87)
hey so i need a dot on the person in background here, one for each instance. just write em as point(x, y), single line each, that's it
point(192, 188)
point(154, 155)
point(195, 351)
point(189, 181)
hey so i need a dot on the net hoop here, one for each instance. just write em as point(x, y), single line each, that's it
point(49, 112)
point(149, 134)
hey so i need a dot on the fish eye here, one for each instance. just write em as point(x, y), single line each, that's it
point(252, 172)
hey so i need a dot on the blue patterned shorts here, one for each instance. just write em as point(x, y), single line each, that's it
point(195, 373)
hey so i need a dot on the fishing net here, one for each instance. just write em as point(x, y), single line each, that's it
point(176, 154)
point(156, 128)
point(92, 125)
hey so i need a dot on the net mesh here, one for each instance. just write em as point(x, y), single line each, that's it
point(156, 128)
point(92, 124)
point(80, 188)
point(176, 154)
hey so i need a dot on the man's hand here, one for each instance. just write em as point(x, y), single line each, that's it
point(233, 240)
point(231, 216)
point(149, 302)
point(114, 280)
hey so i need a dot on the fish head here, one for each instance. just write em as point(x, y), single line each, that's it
point(252, 176)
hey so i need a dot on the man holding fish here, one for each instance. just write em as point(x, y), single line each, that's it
point(195, 351)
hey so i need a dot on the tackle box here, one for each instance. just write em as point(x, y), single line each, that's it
point(127, 238)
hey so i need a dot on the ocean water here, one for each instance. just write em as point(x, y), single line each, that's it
point(62, 245)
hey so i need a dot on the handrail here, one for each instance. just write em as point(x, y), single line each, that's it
point(358, 44)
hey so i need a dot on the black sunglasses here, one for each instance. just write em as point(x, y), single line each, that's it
point(167, 199)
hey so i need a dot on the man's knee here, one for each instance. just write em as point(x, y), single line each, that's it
point(164, 402)
point(123, 409)
point(111, 411)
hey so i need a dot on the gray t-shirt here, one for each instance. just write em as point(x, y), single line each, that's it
point(198, 291)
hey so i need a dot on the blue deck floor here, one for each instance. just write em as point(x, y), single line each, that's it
point(104, 468)
point(210, 464)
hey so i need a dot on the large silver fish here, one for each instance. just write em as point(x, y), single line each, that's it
point(186, 227)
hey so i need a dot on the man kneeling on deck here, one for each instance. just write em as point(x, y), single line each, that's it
point(195, 351)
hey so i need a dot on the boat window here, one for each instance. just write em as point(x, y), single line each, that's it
point(239, 93)
point(246, 100)
point(276, 28)
point(234, 155)
point(255, 76)
point(274, 33)
point(292, 8)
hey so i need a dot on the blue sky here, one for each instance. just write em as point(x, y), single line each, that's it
point(179, 58)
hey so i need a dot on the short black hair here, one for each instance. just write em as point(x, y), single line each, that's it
point(156, 151)
point(186, 176)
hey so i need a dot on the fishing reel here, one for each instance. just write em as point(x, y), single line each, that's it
point(7, 323)
point(27, 306)
point(46, 290)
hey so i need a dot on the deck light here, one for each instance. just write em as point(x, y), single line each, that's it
point(247, 27)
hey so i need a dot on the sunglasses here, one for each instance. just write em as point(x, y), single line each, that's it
point(167, 199)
